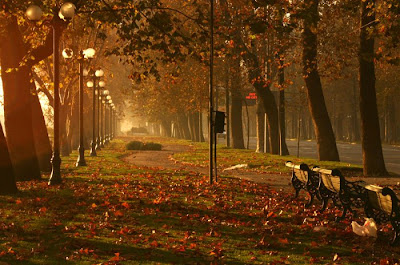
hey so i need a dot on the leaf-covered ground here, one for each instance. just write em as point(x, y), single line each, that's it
point(112, 212)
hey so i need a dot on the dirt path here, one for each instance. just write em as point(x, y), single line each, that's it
point(163, 160)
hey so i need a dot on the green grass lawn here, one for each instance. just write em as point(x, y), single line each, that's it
point(111, 212)
point(258, 162)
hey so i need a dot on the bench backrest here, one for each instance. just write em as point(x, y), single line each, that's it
point(330, 178)
point(378, 199)
point(301, 171)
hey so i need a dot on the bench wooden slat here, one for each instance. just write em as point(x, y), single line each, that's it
point(377, 200)
point(301, 175)
point(331, 182)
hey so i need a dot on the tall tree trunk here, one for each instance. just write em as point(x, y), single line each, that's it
point(64, 121)
point(339, 126)
point(392, 120)
point(87, 120)
point(192, 127)
point(282, 118)
point(166, 128)
point(195, 126)
point(227, 103)
point(355, 120)
point(326, 143)
point(7, 179)
point(236, 106)
point(373, 161)
point(42, 141)
point(257, 79)
point(17, 104)
point(73, 130)
point(200, 121)
point(184, 125)
point(267, 138)
point(260, 127)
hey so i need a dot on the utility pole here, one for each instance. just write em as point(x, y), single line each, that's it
point(211, 88)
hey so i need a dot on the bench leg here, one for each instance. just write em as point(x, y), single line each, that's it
point(324, 205)
point(297, 193)
point(318, 196)
point(308, 204)
point(340, 218)
point(396, 238)
point(297, 185)
point(396, 228)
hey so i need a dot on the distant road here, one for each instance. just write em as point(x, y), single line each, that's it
point(348, 152)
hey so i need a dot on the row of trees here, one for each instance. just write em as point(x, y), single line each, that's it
point(165, 43)
point(258, 41)
point(26, 72)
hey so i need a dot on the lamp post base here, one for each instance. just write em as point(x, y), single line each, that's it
point(55, 177)
point(93, 149)
point(81, 162)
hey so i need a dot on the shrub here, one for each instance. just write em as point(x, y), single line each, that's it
point(136, 145)
point(152, 146)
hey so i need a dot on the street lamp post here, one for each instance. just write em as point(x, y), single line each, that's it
point(91, 84)
point(106, 120)
point(103, 100)
point(102, 85)
point(85, 54)
point(66, 12)
point(97, 74)
point(211, 88)
point(81, 157)
point(112, 122)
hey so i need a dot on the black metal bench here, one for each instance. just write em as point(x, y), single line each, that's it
point(342, 192)
point(382, 205)
point(304, 178)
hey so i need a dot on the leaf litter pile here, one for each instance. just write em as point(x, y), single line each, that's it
point(115, 213)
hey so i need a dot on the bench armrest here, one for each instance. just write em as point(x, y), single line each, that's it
point(395, 201)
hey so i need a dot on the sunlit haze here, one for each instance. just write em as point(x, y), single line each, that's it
point(1, 103)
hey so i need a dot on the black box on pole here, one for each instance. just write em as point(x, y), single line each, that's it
point(219, 122)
